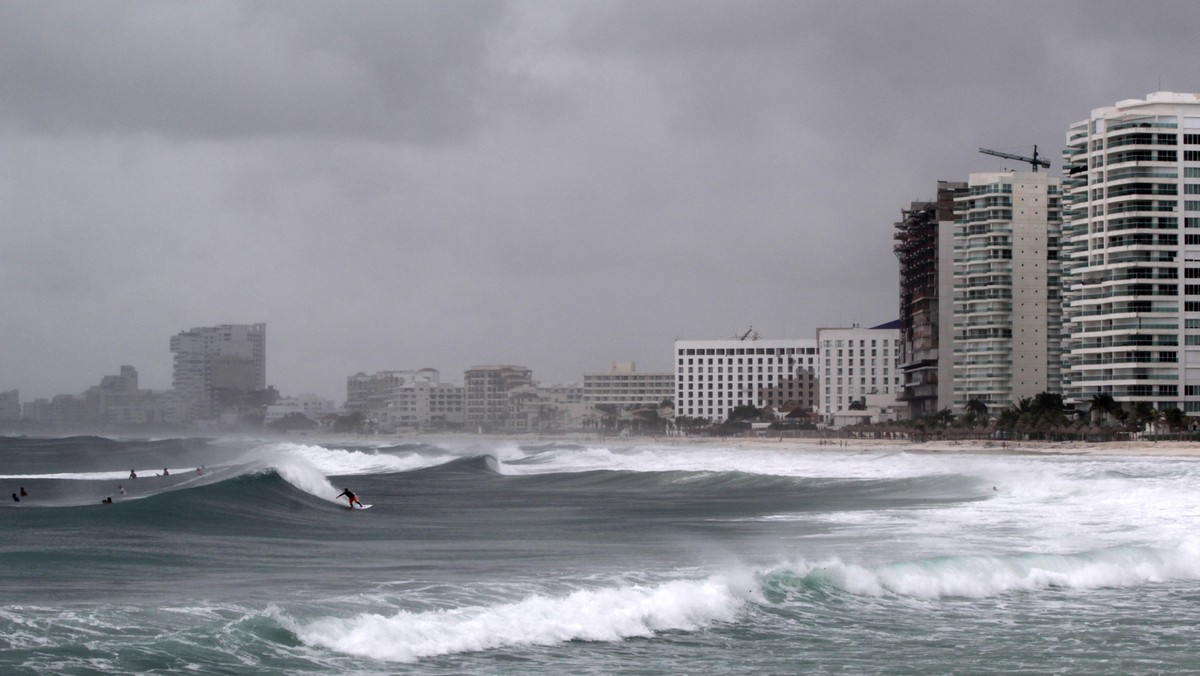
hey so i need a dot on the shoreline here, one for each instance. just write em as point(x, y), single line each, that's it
point(968, 446)
point(962, 446)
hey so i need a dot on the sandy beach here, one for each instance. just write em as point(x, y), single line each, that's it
point(1111, 448)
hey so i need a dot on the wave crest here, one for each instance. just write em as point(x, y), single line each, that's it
point(586, 615)
point(986, 576)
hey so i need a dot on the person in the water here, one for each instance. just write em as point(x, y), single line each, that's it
point(351, 498)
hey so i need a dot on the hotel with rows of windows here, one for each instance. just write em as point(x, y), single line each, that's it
point(713, 377)
point(1131, 244)
point(1006, 279)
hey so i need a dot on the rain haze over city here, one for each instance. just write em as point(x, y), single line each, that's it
point(559, 185)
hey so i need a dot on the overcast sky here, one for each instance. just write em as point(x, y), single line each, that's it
point(561, 185)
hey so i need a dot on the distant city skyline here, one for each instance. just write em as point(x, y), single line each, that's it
point(426, 184)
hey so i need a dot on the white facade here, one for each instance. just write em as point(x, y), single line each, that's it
point(1132, 253)
point(712, 377)
point(624, 386)
point(212, 359)
point(309, 405)
point(405, 399)
point(1007, 307)
point(372, 393)
point(861, 365)
point(486, 394)
point(424, 403)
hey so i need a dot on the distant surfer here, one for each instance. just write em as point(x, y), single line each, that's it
point(23, 493)
point(351, 498)
point(107, 501)
point(132, 474)
point(166, 472)
point(120, 489)
point(16, 499)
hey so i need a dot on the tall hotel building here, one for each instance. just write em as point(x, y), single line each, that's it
point(1007, 309)
point(713, 377)
point(859, 365)
point(486, 391)
point(1132, 253)
point(215, 360)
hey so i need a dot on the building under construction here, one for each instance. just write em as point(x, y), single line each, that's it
point(924, 247)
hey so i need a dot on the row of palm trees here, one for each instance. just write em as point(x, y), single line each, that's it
point(1047, 415)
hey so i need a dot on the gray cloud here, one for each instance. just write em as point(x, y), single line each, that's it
point(406, 71)
point(402, 185)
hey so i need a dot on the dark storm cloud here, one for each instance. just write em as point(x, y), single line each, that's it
point(562, 185)
point(220, 69)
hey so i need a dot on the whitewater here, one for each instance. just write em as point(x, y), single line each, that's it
point(505, 557)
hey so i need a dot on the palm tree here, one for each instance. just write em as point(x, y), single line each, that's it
point(1176, 419)
point(1102, 406)
point(977, 413)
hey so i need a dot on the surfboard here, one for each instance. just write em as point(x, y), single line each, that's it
point(362, 506)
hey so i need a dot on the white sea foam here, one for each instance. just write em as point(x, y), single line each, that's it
point(1050, 503)
point(609, 614)
point(331, 461)
point(987, 576)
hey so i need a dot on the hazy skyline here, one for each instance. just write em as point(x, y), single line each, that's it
point(557, 185)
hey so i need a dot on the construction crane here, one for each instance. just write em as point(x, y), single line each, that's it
point(1034, 161)
point(747, 334)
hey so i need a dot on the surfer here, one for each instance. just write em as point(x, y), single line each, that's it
point(132, 474)
point(120, 489)
point(107, 501)
point(23, 493)
point(166, 472)
point(16, 499)
point(351, 498)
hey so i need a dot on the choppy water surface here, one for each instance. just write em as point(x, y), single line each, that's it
point(484, 557)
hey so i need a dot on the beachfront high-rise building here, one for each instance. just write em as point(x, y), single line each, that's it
point(925, 247)
point(1132, 253)
point(713, 377)
point(1007, 306)
point(371, 394)
point(622, 385)
point(486, 391)
point(405, 399)
point(859, 367)
point(216, 364)
point(10, 405)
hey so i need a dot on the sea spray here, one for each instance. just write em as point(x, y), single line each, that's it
point(610, 614)
point(988, 576)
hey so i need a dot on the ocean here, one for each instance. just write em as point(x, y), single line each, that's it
point(481, 556)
